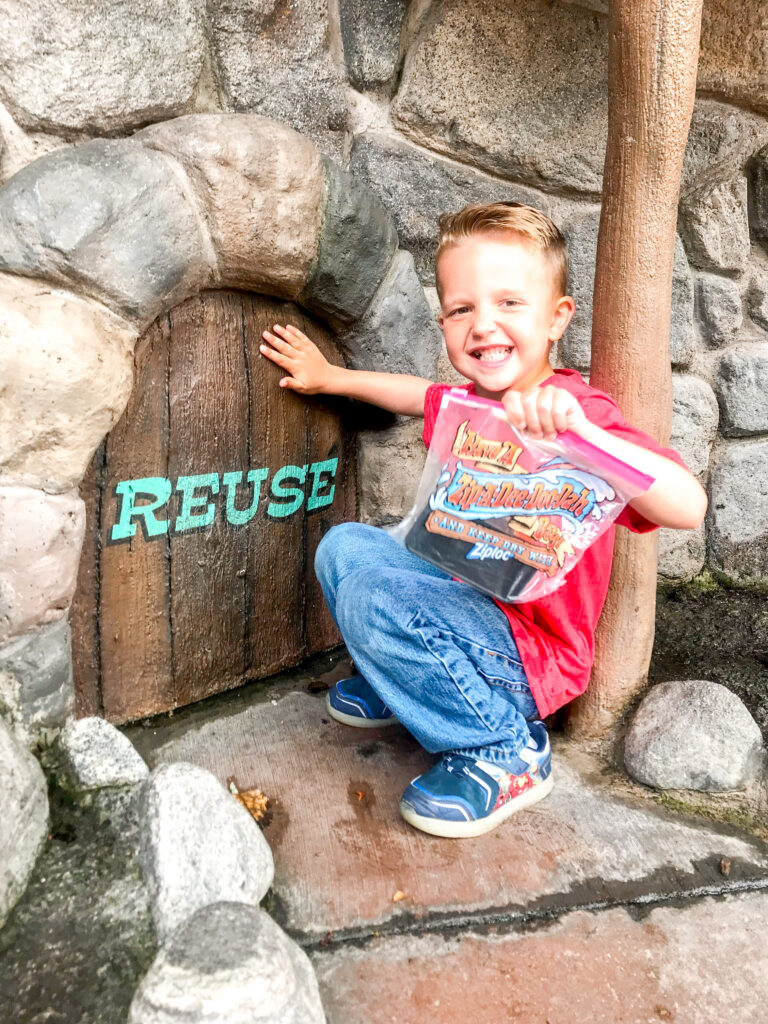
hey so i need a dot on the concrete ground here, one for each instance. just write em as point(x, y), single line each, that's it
point(596, 905)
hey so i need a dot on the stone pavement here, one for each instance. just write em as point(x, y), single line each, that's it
point(595, 905)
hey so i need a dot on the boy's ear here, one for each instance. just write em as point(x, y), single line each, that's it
point(565, 307)
point(440, 321)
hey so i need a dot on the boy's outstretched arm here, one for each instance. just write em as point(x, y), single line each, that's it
point(676, 499)
point(310, 373)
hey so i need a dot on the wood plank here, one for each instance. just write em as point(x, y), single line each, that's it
point(209, 419)
point(135, 628)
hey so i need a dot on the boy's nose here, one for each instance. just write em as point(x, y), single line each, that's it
point(482, 324)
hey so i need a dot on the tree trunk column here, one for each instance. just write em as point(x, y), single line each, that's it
point(653, 55)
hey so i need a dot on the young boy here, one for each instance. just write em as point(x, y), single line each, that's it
point(470, 677)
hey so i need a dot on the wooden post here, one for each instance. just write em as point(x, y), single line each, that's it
point(653, 55)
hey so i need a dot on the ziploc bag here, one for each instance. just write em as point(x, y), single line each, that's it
point(508, 514)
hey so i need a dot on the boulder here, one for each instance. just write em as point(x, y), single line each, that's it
point(721, 141)
point(66, 364)
point(41, 536)
point(719, 308)
point(108, 218)
point(714, 227)
point(737, 528)
point(757, 299)
point(24, 814)
point(370, 32)
point(262, 190)
point(390, 465)
point(36, 688)
point(228, 964)
point(694, 421)
point(85, 67)
point(758, 196)
point(416, 187)
point(516, 89)
point(682, 554)
point(278, 61)
point(732, 54)
point(742, 387)
point(199, 846)
point(696, 735)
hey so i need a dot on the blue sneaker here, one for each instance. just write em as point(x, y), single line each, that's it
point(461, 797)
point(353, 701)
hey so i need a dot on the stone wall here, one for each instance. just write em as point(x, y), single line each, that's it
point(432, 104)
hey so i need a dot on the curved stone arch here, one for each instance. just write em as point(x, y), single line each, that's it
point(100, 238)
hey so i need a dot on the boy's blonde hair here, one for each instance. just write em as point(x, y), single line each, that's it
point(526, 222)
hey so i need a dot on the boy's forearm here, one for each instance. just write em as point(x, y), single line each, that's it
point(397, 392)
point(676, 499)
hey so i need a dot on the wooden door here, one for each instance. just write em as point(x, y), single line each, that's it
point(205, 505)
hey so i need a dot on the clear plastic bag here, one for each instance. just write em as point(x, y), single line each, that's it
point(508, 514)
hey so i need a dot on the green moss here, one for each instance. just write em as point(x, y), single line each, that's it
point(736, 816)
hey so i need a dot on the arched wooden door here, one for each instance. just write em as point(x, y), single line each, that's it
point(205, 505)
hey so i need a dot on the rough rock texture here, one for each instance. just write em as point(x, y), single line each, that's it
point(737, 527)
point(110, 218)
point(713, 224)
point(36, 688)
point(370, 31)
point(66, 371)
point(96, 755)
point(24, 814)
point(682, 554)
point(390, 463)
point(733, 52)
point(528, 100)
point(357, 242)
point(720, 142)
point(262, 190)
point(719, 309)
point(758, 195)
point(78, 66)
point(757, 299)
point(742, 387)
point(198, 846)
point(398, 332)
point(416, 187)
point(282, 61)
point(40, 540)
point(229, 964)
point(694, 421)
point(693, 735)
point(580, 230)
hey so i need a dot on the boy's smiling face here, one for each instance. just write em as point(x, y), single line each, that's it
point(500, 312)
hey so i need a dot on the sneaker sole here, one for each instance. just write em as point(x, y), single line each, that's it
point(358, 723)
point(470, 829)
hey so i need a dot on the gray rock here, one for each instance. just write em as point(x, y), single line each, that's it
point(80, 66)
point(693, 735)
point(357, 242)
point(417, 187)
point(107, 218)
point(694, 421)
point(198, 846)
point(720, 143)
point(518, 89)
point(370, 31)
point(580, 231)
point(757, 300)
point(229, 964)
point(24, 814)
point(390, 465)
point(682, 554)
point(398, 333)
point(742, 387)
point(714, 227)
point(719, 309)
point(277, 61)
point(737, 537)
point(758, 196)
point(732, 55)
point(36, 687)
point(96, 755)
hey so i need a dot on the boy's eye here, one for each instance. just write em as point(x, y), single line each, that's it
point(511, 302)
point(459, 310)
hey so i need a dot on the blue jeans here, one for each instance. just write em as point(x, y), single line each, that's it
point(439, 653)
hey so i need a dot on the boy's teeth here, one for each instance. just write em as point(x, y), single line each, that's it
point(493, 355)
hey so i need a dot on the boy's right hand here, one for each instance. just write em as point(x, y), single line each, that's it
point(291, 350)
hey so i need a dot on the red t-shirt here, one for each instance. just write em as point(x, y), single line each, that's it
point(555, 635)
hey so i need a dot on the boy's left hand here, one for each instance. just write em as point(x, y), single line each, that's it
point(545, 412)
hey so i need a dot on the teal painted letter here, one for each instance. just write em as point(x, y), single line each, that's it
point(188, 518)
point(160, 490)
point(256, 477)
point(281, 509)
point(322, 474)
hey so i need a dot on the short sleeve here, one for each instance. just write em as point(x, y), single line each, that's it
point(432, 400)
